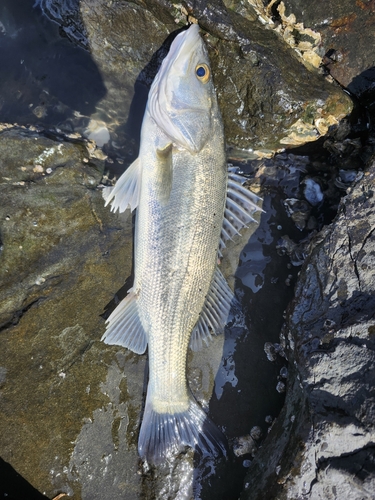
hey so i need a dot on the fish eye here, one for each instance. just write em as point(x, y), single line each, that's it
point(203, 72)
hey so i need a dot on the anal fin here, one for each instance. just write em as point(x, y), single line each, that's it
point(125, 193)
point(125, 327)
point(214, 315)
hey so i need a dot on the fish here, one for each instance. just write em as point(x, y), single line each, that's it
point(187, 206)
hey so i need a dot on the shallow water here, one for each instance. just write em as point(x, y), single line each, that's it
point(47, 81)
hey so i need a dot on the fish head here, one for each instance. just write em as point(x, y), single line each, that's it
point(182, 99)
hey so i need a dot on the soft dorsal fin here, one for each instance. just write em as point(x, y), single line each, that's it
point(125, 193)
point(240, 205)
point(214, 315)
point(125, 327)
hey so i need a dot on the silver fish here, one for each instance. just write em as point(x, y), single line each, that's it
point(187, 207)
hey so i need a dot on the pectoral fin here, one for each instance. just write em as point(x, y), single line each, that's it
point(125, 327)
point(214, 315)
point(164, 167)
point(125, 193)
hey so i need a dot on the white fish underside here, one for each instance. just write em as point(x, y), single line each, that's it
point(179, 184)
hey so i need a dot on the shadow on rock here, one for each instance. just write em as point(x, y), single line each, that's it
point(14, 487)
point(245, 398)
point(55, 80)
point(324, 436)
point(142, 86)
point(363, 87)
point(131, 130)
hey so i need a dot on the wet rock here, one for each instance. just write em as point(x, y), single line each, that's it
point(244, 445)
point(346, 30)
point(313, 191)
point(298, 211)
point(269, 99)
point(69, 404)
point(47, 81)
point(256, 433)
point(269, 105)
point(122, 39)
point(67, 14)
point(270, 351)
point(280, 387)
point(296, 252)
point(321, 446)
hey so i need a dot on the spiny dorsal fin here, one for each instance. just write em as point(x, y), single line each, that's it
point(124, 326)
point(215, 312)
point(125, 193)
point(240, 205)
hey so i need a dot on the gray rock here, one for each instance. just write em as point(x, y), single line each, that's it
point(322, 444)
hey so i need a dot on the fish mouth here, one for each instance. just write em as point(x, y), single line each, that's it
point(178, 56)
point(184, 42)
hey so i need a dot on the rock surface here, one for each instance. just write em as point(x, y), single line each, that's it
point(322, 445)
point(62, 251)
point(269, 99)
point(347, 38)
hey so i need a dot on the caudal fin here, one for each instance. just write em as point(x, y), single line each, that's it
point(165, 435)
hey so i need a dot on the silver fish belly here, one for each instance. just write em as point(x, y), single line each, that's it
point(179, 185)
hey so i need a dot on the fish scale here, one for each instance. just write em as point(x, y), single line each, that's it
point(180, 262)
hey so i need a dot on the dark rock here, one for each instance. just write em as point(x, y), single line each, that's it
point(322, 444)
point(347, 29)
point(269, 99)
point(46, 79)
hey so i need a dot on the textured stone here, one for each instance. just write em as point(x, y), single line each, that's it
point(62, 257)
point(322, 445)
point(347, 38)
point(268, 98)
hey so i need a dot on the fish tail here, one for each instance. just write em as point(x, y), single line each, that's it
point(165, 435)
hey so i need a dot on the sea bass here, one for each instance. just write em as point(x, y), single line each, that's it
point(187, 207)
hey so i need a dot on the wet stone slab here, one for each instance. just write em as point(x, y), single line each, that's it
point(269, 99)
point(347, 38)
point(69, 404)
